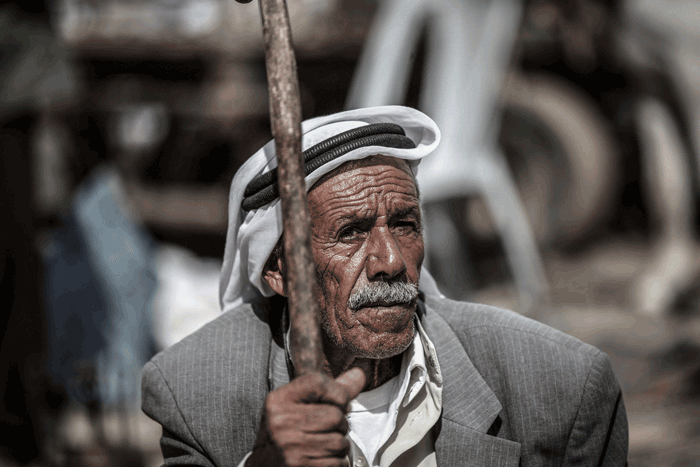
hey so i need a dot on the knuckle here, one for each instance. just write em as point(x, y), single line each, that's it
point(335, 417)
point(328, 415)
point(335, 462)
point(273, 401)
point(310, 387)
point(276, 424)
point(337, 442)
point(328, 418)
point(313, 417)
point(279, 438)
point(339, 414)
point(288, 441)
point(284, 425)
point(293, 458)
point(338, 394)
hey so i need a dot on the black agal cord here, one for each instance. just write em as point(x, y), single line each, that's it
point(263, 188)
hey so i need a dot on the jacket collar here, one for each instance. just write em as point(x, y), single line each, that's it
point(469, 406)
point(466, 398)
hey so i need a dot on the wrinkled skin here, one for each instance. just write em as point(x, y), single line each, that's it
point(365, 227)
point(303, 423)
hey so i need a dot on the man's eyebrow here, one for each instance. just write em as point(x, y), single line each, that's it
point(406, 211)
point(351, 216)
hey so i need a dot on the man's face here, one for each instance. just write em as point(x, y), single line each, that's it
point(365, 229)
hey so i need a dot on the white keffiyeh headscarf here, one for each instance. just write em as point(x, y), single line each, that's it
point(252, 235)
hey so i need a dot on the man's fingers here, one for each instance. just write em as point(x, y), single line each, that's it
point(311, 418)
point(309, 388)
point(324, 418)
point(344, 388)
point(328, 462)
point(304, 421)
point(312, 448)
point(327, 445)
point(353, 381)
point(316, 387)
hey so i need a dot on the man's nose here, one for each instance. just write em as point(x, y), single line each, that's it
point(384, 258)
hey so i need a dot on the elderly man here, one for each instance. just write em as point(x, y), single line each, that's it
point(411, 378)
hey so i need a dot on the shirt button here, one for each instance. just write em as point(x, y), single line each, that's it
point(360, 462)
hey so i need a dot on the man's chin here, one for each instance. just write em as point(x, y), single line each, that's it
point(385, 320)
point(384, 345)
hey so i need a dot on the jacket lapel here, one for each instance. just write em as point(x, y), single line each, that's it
point(458, 445)
point(469, 406)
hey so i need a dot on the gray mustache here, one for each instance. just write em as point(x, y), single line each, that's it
point(383, 293)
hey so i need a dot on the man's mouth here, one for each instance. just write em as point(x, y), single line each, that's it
point(383, 304)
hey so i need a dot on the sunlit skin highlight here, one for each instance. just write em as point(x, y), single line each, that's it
point(365, 227)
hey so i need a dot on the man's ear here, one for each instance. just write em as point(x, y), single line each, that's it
point(275, 278)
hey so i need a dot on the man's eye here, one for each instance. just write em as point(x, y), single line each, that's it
point(350, 232)
point(406, 226)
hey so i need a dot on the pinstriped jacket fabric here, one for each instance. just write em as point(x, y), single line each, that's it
point(515, 393)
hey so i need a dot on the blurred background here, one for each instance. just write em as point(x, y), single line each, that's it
point(566, 187)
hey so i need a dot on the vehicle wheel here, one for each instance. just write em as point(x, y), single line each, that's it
point(563, 156)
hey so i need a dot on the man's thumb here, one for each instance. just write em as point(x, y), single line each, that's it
point(353, 381)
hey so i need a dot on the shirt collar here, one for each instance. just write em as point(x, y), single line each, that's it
point(419, 361)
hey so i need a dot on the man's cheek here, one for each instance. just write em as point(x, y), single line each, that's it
point(328, 282)
point(326, 261)
point(414, 252)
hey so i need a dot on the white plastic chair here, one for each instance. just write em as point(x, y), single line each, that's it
point(468, 50)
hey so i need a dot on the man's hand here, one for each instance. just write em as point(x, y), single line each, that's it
point(303, 423)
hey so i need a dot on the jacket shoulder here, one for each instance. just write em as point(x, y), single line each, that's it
point(542, 377)
point(216, 379)
point(483, 327)
point(226, 337)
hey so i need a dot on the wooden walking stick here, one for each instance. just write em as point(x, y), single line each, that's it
point(285, 118)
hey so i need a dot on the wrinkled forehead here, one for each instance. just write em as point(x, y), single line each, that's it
point(376, 160)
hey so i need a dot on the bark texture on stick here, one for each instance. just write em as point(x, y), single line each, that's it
point(285, 115)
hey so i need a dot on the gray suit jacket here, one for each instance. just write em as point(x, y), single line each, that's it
point(515, 392)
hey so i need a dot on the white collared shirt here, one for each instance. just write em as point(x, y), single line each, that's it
point(401, 413)
point(392, 424)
